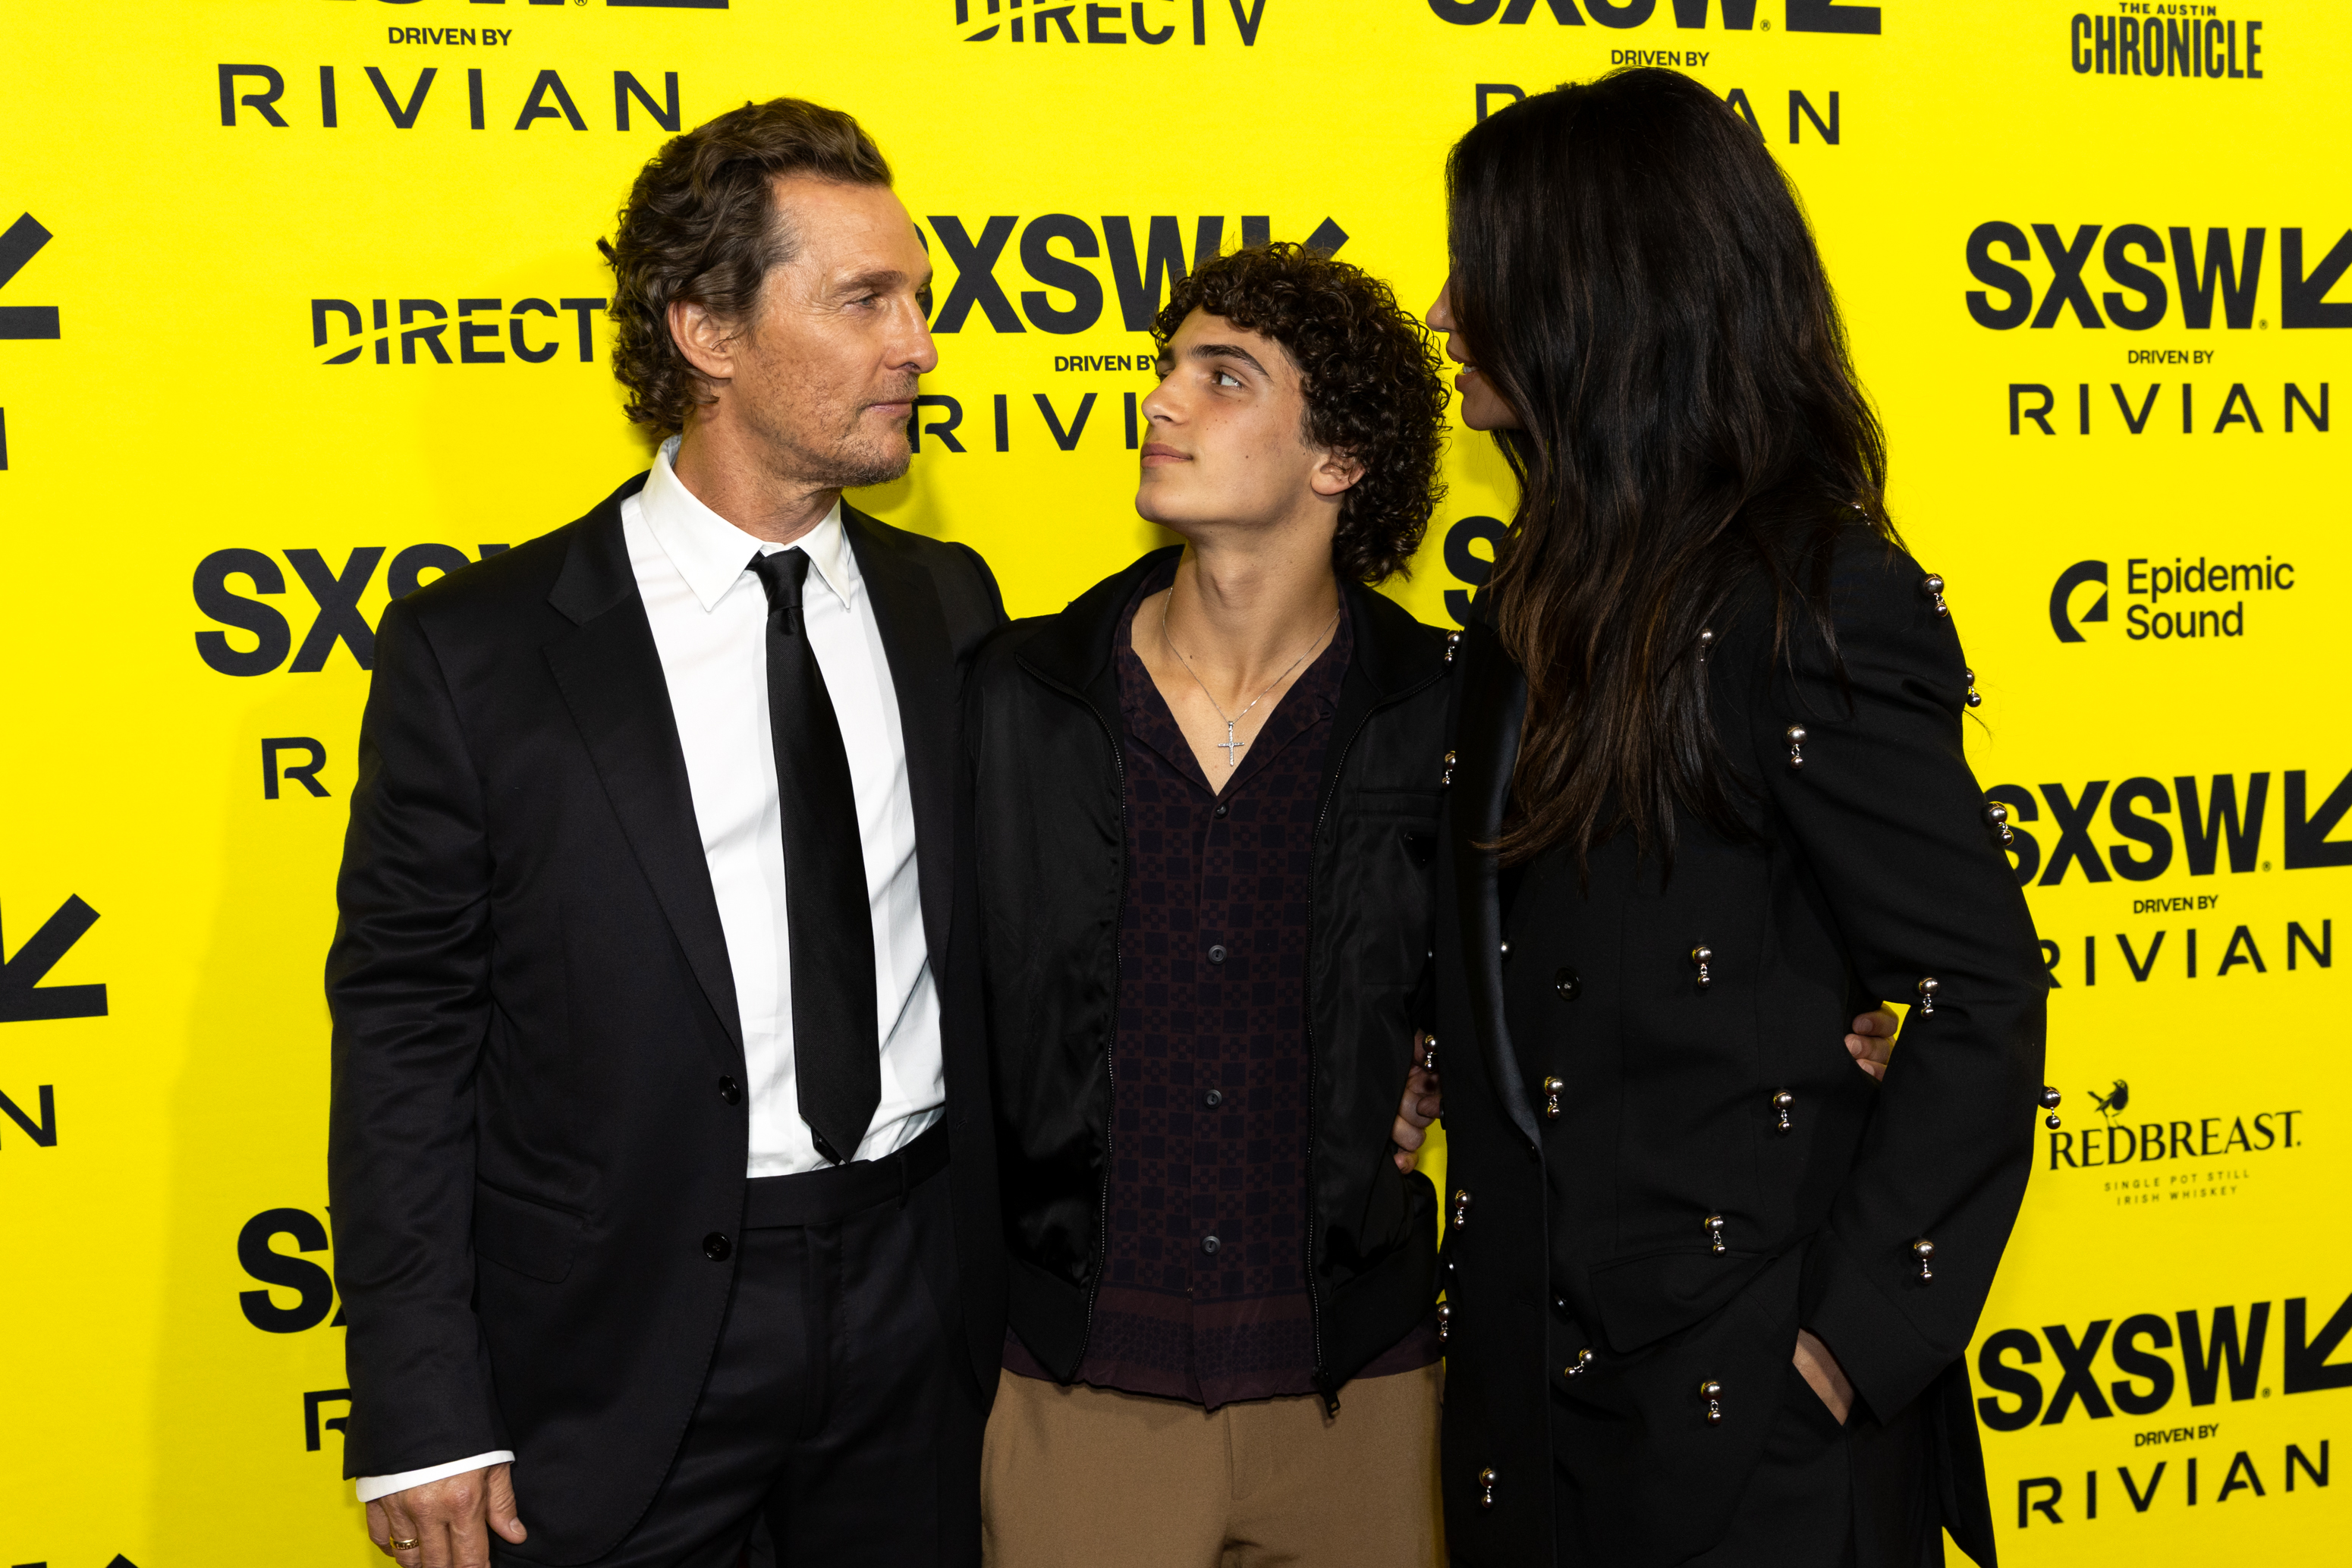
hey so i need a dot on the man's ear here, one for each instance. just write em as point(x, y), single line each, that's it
point(1335, 474)
point(707, 343)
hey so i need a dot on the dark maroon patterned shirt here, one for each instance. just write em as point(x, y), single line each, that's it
point(1204, 1293)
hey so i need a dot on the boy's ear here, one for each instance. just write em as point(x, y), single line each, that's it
point(1336, 474)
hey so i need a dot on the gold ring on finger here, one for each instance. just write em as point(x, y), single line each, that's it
point(411, 1544)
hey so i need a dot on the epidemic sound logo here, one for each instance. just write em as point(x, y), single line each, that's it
point(2151, 582)
point(336, 593)
point(1046, 22)
point(1738, 15)
point(425, 322)
point(2145, 46)
point(1141, 285)
point(2230, 274)
point(2231, 819)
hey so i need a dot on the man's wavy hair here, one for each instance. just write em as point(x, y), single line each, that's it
point(1372, 380)
point(701, 224)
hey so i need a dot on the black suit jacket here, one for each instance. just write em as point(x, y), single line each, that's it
point(530, 1148)
point(1862, 871)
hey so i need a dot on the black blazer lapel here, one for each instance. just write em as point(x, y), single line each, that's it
point(913, 624)
point(611, 676)
point(1487, 750)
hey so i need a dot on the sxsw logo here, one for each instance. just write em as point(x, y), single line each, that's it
point(1738, 15)
point(1046, 22)
point(2148, 1357)
point(336, 593)
point(312, 1286)
point(2214, 1351)
point(2228, 274)
point(2222, 816)
point(21, 243)
point(2150, 582)
point(533, 330)
point(1138, 276)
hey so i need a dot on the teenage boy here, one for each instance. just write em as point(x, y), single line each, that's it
point(1206, 799)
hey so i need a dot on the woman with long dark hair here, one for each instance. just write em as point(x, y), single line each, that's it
point(1709, 1289)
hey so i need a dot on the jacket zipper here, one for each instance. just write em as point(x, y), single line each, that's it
point(1110, 1040)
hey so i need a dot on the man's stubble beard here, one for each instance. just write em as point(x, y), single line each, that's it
point(847, 463)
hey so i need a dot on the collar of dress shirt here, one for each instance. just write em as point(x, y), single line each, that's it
point(712, 553)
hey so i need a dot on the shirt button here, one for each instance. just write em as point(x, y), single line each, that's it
point(1210, 1244)
point(1220, 811)
point(1217, 953)
point(716, 1247)
point(1212, 1099)
point(731, 1092)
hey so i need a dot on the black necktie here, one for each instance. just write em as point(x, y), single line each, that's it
point(837, 1047)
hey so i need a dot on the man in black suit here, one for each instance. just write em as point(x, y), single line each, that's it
point(660, 1160)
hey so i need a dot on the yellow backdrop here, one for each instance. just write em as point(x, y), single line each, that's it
point(304, 309)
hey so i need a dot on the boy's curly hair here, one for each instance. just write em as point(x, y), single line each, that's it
point(1372, 379)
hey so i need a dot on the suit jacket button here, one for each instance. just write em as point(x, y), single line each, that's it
point(731, 1092)
point(1210, 1244)
point(716, 1247)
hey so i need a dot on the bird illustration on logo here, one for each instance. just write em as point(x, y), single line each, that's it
point(2112, 1100)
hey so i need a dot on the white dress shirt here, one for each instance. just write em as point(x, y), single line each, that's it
point(709, 618)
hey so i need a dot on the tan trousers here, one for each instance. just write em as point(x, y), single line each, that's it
point(1085, 1478)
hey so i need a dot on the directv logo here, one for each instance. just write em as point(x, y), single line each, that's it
point(1044, 23)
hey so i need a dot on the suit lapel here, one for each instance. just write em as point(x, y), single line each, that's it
point(913, 624)
point(611, 676)
point(1487, 750)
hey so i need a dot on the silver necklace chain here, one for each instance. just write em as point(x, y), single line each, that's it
point(1231, 746)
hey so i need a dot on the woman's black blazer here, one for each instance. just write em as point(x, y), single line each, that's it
point(1582, 1207)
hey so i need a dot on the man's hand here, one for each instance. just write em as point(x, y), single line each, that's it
point(1872, 1043)
point(439, 1524)
point(1828, 1378)
point(1422, 1105)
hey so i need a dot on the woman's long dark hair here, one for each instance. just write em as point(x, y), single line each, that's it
point(1634, 275)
